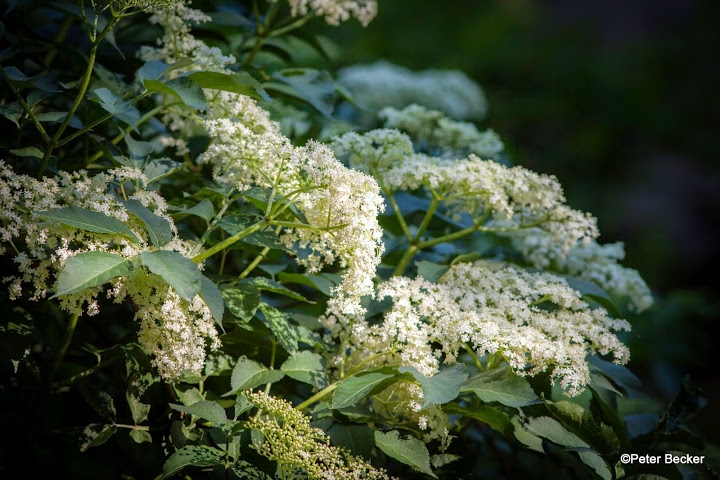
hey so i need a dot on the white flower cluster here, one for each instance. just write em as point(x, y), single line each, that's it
point(248, 149)
point(434, 133)
point(336, 11)
point(534, 321)
point(173, 330)
point(501, 198)
point(382, 84)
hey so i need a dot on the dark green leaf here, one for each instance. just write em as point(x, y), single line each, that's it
point(59, 117)
point(596, 462)
point(90, 269)
point(178, 271)
point(408, 450)
point(242, 83)
point(140, 436)
point(313, 86)
point(501, 385)
point(242, 301)
point(441, 388)
point(122, 109)
point(183, 88)
point(210, 411)
point(581, 422)
point(88, 220)
point(266, 284)
point(213, 298)
point(610, 416)
point(286, 334)
point(158, 229)
point(548, 427)
point(192, 456)
point(13, 112)
point(158, 168)
point(306, 367)
point(247, 471)
point(358, 439)
point(96, 434)
point(204, 210)
point(486, 414)
point(618, 374)
point(138, 149)
point(138, 409)
point(431, 271)
point(323, 282)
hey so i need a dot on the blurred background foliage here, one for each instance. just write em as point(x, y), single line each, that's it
point(618, 100)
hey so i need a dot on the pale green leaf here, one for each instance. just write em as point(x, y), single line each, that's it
point(356, 387)
point(548, 427)
point(96, 434)
point(89, 220)
point(501, 385)
point(242, 83)
point(140, 436)
point(183, 88)
point(250, 374)
point(408, 450)
point(192, 456)
point(596, 462)
point(90, 269)
point(178, 271)
point(306, 367)
point(441, 388)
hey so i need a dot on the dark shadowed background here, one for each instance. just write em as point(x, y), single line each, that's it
point(619, 100)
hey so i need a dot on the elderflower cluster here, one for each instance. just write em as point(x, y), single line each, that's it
point(498, 198)
point(534, 321)
point(435, 134)
point(174, 331)
point(335, 11)
point(303, 451)
point(340, 205)
point(381, 84)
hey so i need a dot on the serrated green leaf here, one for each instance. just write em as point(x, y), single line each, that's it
point(441, 388)
point(204, 210)
point(596, 462)
point(178, 271)
point(27, 152)
point(247, 471)
point(610, 416)
point(266, 284)
point(358, 439)
point(242, 301)
point(192, 456)
point(241, 82)
point(522, 435)
point(140, 436)
point(183, 88)
point(548, 427)
point(408, 450)
point(501, 385)
point(358, 386)
point(89, 220)
point(211, 411)
point(486, 414)
point(581, 422)
point(213, 298)
point(90, 269)
point(96, 434)
point(158, 229)
point(306, 367)
point(250, 374)
point(286, 334)
point(323, 282)
point(112, 103)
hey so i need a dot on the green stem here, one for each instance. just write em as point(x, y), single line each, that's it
point(80, 95)
point(403, 263)
point(287, 28)
point(358, 368)
point(475, 358)
point(254, 263)
point(227, 242)
point(69, 332)
point(414, 242)
point(26, 108)
point(399, 215)
point(318, 396)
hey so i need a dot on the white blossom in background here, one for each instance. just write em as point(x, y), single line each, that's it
point(382, 84)
point(174, 331)
point(335, 11)
point(440, 136)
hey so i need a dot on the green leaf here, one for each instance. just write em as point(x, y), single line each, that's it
point(250, 374)
point(242, 301)
point(610, 416)
point(183, 88)
point(323, 282)
point(158, 229)
point(431, 271)
point(178, 271)
point(204, 210)
point(27, 152)
point(89, 220)
point(90, 269)
point(530, 440)
point(138, 409)
point(138, 149)
point(313, 86)
point(59, 117)
point(278, 322)
point(210, 411)
point(358, 386)
point(358, 439)
point(620, 375)
point(486, 414)
point(548, 427)
point(441, 388)
point(266, 284)
point(96, 434)
point(122, 109)
point(442, 459)
point(501, 385)
point(140, 436)
point(242, 83)
point(213, 298)
point(596, 462)
point(581, 422)
point(592, 291)
point(265, 238)
point(247, 471)
point(192, 456)
point(158, 168)
point(408, 450)
point(306, 367)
